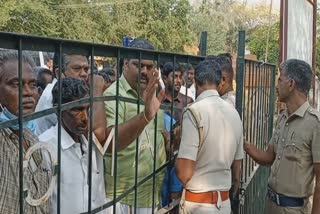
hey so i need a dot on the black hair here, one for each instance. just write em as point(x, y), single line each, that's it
point(208, 71)
point(41, 81)
point(168, 68)
point(225, 62)
point(71, 90)
point(141, 43)
point(106, 73)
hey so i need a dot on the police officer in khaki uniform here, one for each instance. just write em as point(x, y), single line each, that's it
point(211, 140)
point(294, 149)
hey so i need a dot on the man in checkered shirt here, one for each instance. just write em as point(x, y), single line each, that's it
point(36, 176)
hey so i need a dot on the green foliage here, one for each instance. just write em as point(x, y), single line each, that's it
point(257, 42)
point(172, 25)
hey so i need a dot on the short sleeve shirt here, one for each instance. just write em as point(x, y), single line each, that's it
point(296, 141)
point(126, 158)
point(222, 144)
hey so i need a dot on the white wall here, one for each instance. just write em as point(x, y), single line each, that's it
point(300, 27)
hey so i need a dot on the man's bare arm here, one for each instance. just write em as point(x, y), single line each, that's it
point(236, 173)
point(131, 129)
point(264, 158)
point(99, 114)
point(185, 169)
point(316, 196)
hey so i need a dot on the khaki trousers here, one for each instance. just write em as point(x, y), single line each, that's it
point(273, 208)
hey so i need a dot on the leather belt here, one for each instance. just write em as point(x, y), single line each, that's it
point(206, 197)
point(283, 200)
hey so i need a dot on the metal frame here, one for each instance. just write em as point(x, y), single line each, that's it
point(34, 43)
point(255, 102)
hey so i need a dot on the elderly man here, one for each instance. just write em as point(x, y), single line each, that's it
point(294, 149)
point(74, 152)
point(131, 126)
point(211, 140)
point(37, 176)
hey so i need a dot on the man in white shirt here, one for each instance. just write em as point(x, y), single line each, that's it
point(190, 87)
point(73, 66)
point(75, 152)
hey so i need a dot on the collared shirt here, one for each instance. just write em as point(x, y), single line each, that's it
point(45, 102)
point(179, 102)
point(191, 91)
point(222, 143)
point(296, 141)
point(230, 97)
point(126, 158)
point(74, 174)
point(36, 177)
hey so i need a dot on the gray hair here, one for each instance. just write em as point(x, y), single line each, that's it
point(12, 55)
point(300, 72)
point(208, 71)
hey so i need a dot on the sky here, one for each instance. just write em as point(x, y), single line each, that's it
point(276, 3)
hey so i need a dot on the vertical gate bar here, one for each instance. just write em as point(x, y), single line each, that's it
point(244, 80)
point(251, 134)
point(268, 90)
point(249, 119)
point(259, 107)
point(265, 136)
point(240, 68)
point(116, 132)
point(59, 129)
point(21, 192)
point(155, 149)
point(137, 140)
point(90, 130)
point(263, 114)
point(272, 99)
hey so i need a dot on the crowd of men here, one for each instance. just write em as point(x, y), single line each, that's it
point(198, 129)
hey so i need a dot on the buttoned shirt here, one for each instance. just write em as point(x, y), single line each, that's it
point(74, 174)
point(179, 102)
point(45, 102)
point(296, 141)
point(230, 97)
point(36, 177)
point(222, 143)
point(126, 163)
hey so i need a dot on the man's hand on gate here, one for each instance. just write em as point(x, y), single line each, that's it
point(152, 102)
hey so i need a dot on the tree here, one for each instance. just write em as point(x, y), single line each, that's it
point(257, 42)
point(24, 17)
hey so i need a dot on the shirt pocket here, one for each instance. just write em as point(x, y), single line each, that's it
point(294, 150)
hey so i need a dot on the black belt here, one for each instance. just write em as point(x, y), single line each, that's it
point(284, 201)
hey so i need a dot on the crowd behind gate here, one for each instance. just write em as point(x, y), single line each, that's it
point(188, 119)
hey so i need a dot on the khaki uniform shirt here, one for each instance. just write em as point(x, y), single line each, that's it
point(296, 143)
point(222, 144)
point(36, 177)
